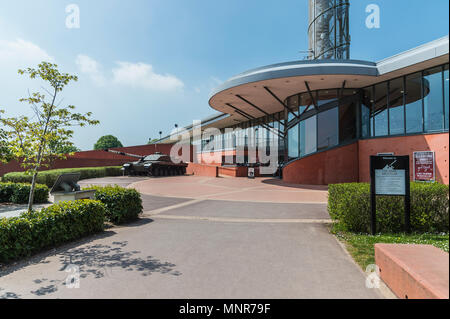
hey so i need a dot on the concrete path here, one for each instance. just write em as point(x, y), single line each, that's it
point(200, 248)
point(232, 189)
point(15, 210)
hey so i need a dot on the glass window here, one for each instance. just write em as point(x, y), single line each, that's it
point(347, 120)
point(293, 147)
point(446, 93)
point(326, 96)
point(414, 118)
point(308, 136)
point(379, 110)
point(293, 102)
point(432, 93)
point(365, 112)
point(327, 134)
point(396, 108)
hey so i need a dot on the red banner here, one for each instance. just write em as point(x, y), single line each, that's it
point(424, 169)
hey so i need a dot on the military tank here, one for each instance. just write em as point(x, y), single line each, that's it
point(156, 164)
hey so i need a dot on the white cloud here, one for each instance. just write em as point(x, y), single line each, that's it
point(89, 66)
point(22, 52)
point(141, 75)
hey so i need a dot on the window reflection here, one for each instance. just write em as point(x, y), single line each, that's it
point(366, 106)
point(414, 115)
point(432, 92)
point(327, 135)
point(446, 94)
point(308, 134)
point(396, 108)
point(347, 120)
point(379, 110)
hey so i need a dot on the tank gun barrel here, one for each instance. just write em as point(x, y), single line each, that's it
point(124, 154)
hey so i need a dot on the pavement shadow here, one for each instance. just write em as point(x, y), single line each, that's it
point(102, 260)
point(278, 182)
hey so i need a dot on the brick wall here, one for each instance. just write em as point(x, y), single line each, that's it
point(95, 158)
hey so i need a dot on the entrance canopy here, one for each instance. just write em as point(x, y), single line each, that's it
point(263, 91)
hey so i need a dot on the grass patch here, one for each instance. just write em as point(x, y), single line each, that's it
point(361, 246)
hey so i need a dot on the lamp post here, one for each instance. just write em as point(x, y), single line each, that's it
point(160, 133)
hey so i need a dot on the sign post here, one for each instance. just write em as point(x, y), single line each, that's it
point(251, 172)
point(389, 176)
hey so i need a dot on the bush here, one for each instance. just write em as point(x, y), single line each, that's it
point(19, 192)
point(122, 204)
point(349, 204)
point(54, 225)
point(49, 177)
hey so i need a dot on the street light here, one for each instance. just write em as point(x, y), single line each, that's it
point(156, 146)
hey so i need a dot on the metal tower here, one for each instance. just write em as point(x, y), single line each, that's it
point(328, 30)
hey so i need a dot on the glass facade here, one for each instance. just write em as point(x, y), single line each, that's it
point(446, 94)
point(328, 136)
point(396, 107)
point(308, 136)
point(433, 100)
point(414, 117)
point(414, 104)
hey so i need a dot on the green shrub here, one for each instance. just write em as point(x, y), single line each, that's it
point(54, 225)
point(349, 204)
point(122, 204)
point(49, 177)
point(19, 192)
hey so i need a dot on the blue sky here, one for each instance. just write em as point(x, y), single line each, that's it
point(145, 65)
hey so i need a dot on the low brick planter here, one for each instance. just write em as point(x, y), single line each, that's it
point(414, 271)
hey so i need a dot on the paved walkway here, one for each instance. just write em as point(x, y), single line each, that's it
point(200, 247)
point(232, 189)
point(15, 210)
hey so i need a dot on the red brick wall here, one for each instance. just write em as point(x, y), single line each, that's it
point(339, 165)
point(96, 158)
point(406, 145)
point(202, 170)
point(351, 163)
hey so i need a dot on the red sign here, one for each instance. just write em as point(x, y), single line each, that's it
point(424, 169)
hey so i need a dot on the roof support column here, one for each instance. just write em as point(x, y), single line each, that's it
point(281, 102)
point(311, 96)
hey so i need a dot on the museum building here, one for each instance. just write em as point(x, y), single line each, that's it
point(329, 113)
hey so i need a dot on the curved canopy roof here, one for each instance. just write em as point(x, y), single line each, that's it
point(262, 91)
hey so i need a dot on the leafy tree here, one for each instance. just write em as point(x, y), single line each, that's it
point(57, 148)
point(5, 152)
point(30, 139)
point(107, 141)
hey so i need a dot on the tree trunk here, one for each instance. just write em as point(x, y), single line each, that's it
point(31, 196)
point(33, 181)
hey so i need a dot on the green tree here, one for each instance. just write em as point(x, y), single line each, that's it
point(29, 139)
point(107, 141)
point(5, 152)
point(57, 148)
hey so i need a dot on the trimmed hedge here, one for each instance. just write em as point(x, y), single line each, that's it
point(18, 193)
point(57, 224)
point(49, 177)
point(349, 204)
point(122, 204)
